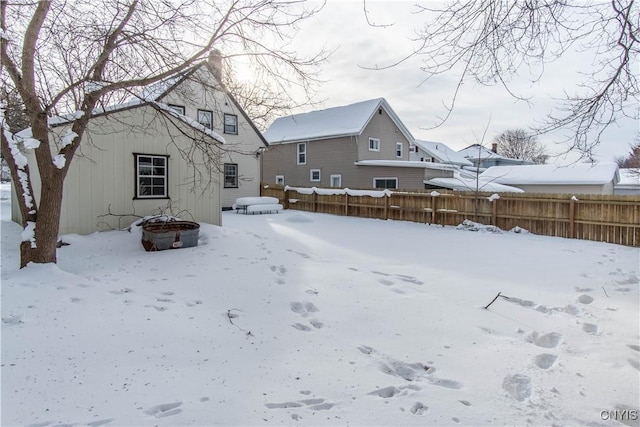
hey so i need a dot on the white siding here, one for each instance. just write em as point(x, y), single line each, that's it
point(102, 174)
point(201, 92)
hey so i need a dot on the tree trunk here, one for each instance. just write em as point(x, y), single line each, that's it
point(47, 224)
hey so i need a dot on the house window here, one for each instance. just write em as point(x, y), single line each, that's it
point(302, 153)
point(336, 181)
point(151, 176)
point(374, 144)
point(280, 179)
point(177, 108)
point(205, 118)
point(385, 183)
point(230, 124)
point(314, 175)
point(399, 149)
point(230, 175)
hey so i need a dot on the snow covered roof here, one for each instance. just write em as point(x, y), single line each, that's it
point(405, 164)
point(148, 95)
point(442, 152)
point(463, 184)
point(629, 178)
point(333, 122)
point(476, 151)
point(575, 174)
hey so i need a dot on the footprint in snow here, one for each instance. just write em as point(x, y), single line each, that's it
point(419, 408)
point(303, 308)
point(315, 404)
point(550, 340)
point(585, 299)
point(590, 328)
point(164, 410)
point(392, 391)
point(545, 360)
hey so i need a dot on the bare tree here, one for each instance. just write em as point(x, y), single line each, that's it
point(518, 144)
point(492, 41)
point(72, 57)
point(632, 160)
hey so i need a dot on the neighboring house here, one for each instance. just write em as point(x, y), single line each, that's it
point(183, 147)
point(436, 152)
point(629, 184)
point(579, 178)
point(484, 158)
point(362, 145)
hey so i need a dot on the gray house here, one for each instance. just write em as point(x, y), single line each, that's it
point(361, 145)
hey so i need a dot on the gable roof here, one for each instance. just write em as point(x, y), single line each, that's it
point(152, 95)
point(442, 152)
point(476, 151)
point(335, 122)
point(575, 174)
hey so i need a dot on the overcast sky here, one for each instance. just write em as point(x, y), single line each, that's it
point(342, 25)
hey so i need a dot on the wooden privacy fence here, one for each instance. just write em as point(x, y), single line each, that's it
point(611, 219)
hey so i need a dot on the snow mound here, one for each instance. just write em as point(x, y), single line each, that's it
point(468, 225)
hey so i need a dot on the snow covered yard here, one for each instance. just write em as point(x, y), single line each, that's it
point(311, 319)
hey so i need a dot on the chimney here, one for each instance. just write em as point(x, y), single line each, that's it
point(494, 147)
point(214, 63)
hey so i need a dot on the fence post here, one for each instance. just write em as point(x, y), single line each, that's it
point(346, 204)
point(572, 218)
point(386, 206)
point(315, 201)
point(285, 200)
point(494, 212)
point(433, 209)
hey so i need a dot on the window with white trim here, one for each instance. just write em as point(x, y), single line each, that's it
point(230, 175)
point(391, 183)
point(335, 181)
point(374, 144)
point(205, 118)
point(302, 153)
point(399, 149)
point(280, 179)
point(177, 108)
point(151, 176)
point(314, 175)
point(230, 124)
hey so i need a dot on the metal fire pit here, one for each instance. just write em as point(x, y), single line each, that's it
point(158, 236)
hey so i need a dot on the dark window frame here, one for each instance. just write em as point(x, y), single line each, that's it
point(138, 176)
point(235, 184)
point(210, 114)
point(176, 107)
point(230, 129)
point(386, 182)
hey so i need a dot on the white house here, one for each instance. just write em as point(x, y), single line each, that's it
point(183, 147)
point(579, 178)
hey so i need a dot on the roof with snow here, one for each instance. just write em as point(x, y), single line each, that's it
point(442, 152)
point(575, 174)
point(405, 164)
point(477, 151)
point(463, 184)
point(347, 120)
